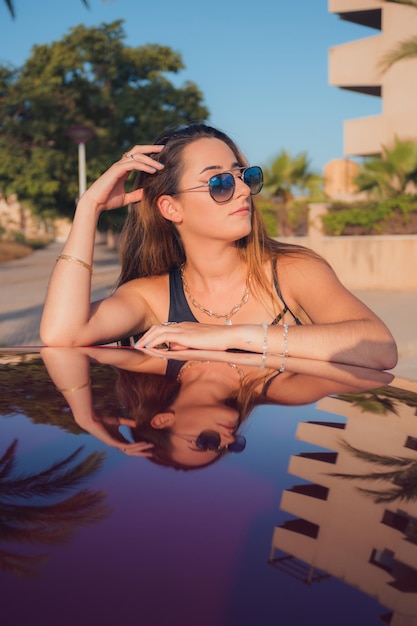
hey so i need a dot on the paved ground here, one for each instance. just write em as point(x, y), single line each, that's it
point(24, 282)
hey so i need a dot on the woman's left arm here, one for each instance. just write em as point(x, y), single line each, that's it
point(343, 329)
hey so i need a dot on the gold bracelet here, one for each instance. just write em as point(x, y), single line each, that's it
point(71, 389)
point(74, 259)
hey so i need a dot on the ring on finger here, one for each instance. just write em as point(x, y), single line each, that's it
point(168, 323)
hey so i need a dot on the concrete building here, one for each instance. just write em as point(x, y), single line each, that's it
point(356, 66)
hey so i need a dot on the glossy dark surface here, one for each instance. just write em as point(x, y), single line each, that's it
point(269, 536)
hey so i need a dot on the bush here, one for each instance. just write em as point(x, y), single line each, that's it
point(392, 216)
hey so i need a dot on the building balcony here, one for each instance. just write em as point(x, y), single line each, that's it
point(354, 65)
point(364, 12)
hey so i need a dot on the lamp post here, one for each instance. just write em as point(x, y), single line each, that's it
point(81, 134)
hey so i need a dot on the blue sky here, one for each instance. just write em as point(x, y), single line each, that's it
point(260, 64)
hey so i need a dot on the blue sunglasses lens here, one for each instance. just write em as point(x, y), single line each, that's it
point(238, 445)
point(222, 187)
point(253, 177)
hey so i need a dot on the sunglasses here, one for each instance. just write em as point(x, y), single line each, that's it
point(210, 440)
point(222, 186)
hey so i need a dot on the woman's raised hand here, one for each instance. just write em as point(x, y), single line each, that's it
point(108, 192)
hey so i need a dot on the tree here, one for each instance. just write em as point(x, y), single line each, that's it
point(391, 174)
point(287, 175)
point(406, 49)
point(91, 78)
point(10, 6)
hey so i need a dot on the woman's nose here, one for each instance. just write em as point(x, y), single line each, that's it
point(226, 438)
point(241, 187)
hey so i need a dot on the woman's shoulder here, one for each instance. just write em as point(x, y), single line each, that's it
point(151, 289)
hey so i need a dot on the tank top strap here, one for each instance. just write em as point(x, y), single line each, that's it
point(286, 308)
point(179, 310)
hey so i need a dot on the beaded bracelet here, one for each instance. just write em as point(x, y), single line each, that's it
point(74, 259)
point(264, 345)
point(285, 352)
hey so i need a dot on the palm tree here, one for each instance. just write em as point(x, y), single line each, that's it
point(389, 176)
point(51, 523)
point(10, 6)
point(402, 476)
point(406, 49)
point(288, 174)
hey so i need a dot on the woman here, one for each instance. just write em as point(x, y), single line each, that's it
point(194, 249)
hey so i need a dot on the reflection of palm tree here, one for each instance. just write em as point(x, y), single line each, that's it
point(370, 402)
point(51, 523)
point(403, 477)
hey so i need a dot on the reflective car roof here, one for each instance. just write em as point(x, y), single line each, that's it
point(315, 522)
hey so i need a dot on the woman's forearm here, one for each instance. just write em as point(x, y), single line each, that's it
point(67, 305)
point(361, 342)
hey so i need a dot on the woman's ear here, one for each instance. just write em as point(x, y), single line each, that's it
point(169, 208)
point(163, 420)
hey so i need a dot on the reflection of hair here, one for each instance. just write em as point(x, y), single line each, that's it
point(150, 244)
point(143, 395)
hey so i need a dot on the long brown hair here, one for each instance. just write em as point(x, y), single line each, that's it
point(150, 245)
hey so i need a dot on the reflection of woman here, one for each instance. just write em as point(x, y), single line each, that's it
point(195, 249)
point(187, 413)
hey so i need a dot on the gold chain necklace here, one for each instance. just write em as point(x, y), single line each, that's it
point(189, 364)
point(210, 312)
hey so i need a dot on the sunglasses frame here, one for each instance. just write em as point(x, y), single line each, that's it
point(242, 171)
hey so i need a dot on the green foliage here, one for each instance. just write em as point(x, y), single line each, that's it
point(406, 49)
point(288, 175)
point(389, 176)
point(268, 210)
point(90, 78)
point(370, 218)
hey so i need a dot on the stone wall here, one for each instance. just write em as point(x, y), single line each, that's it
point(376, 262)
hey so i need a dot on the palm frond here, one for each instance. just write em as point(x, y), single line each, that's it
point(8, 460)
point(9, 5)
point(52, 480)
point(406, 49)
point(410, 3)
point(378, 458)
point(389, 495)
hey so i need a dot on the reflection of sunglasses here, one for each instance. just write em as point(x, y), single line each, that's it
point(210, 440)
point(222, 186)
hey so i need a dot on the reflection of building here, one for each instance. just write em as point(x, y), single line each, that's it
point(339, 530)
point(356, 66)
